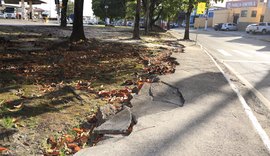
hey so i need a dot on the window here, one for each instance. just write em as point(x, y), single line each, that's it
point(244, 13)
point(254, 13)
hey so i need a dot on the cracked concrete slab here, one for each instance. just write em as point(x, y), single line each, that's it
point(118, 124)
point(156, 97)
point(167, 93)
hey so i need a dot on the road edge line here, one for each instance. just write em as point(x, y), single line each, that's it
point(255, 123)
point(265, 101)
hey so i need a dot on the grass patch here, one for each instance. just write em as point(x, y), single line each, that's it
point(7, 122)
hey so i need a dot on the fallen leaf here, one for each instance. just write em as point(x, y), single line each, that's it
point(78, 130)
point(72, 145)
point(3, 149)
point(77, 148)
point(69, 139)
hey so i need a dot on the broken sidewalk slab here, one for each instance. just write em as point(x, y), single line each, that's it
point(119, 124)
point(152, 98)
point(167, 93)
point(156, 97)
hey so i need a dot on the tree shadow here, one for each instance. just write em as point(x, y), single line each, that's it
point(199, 120)
point(41, 104)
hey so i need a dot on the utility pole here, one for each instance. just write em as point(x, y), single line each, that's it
point(206, 20)
point(57, 3)
point(106, 13)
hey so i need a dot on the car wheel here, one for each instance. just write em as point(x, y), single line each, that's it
point(263, 31)
point(247, 32)
point(227, 29)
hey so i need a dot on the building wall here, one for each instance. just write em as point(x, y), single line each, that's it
point(200, 22)
point(228, 15)
point(221, 16)
point(267, 15)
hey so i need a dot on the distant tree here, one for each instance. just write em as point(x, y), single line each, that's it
point(189, 5)
point(136, 31)
point(77, 31)
point(152, 10)
point(189, 9)
point(64, 13)
point(70, 8)
point(130, 9)
point(116, 8)
point(171, 9)
point(146, 15)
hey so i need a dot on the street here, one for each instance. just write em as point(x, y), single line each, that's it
point(247, 57)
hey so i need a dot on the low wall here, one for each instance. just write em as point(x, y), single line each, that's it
point(243, 25)
point(200, 22)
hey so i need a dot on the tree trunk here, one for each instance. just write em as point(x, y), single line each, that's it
point(153, 20)
point(77, 31)
point(64, 13)
point(190, 8)
point(168, 24)
point(136, 31)
point(146, 17)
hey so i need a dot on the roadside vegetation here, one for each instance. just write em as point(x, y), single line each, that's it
point(52, 90)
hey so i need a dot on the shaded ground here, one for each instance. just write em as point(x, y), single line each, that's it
point(49, 86)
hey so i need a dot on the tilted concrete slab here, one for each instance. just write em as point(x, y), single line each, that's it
point(118, 124)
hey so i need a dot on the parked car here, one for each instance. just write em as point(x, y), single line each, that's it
point(70, 19)
point(2, 15)
point(10, 15)
point(229, 26)
point(250, 27)
point(174, 25)
point(184, 24)
point(218, 26)
point(262, 27)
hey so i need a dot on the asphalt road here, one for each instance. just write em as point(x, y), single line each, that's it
point(246, 55)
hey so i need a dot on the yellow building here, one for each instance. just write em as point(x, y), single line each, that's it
point(243, 12)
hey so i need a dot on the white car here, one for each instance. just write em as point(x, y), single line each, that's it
point(10, 15)
point(229, 26)
point(250, 28)
point(2, 15)
point(262, 27)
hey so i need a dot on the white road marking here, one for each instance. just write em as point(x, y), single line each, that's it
point(242, 53)
point(261, 54)
point(223, 52)
point(247, 109)
point(250, 87)
point(246, 61)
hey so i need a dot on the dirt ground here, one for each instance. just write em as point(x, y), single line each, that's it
point(51, 90)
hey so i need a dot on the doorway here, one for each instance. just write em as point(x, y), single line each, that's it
point(235, 18)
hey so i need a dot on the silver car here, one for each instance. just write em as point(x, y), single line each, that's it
point(229, 26)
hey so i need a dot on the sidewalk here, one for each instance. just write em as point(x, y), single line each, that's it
point(211, 122)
